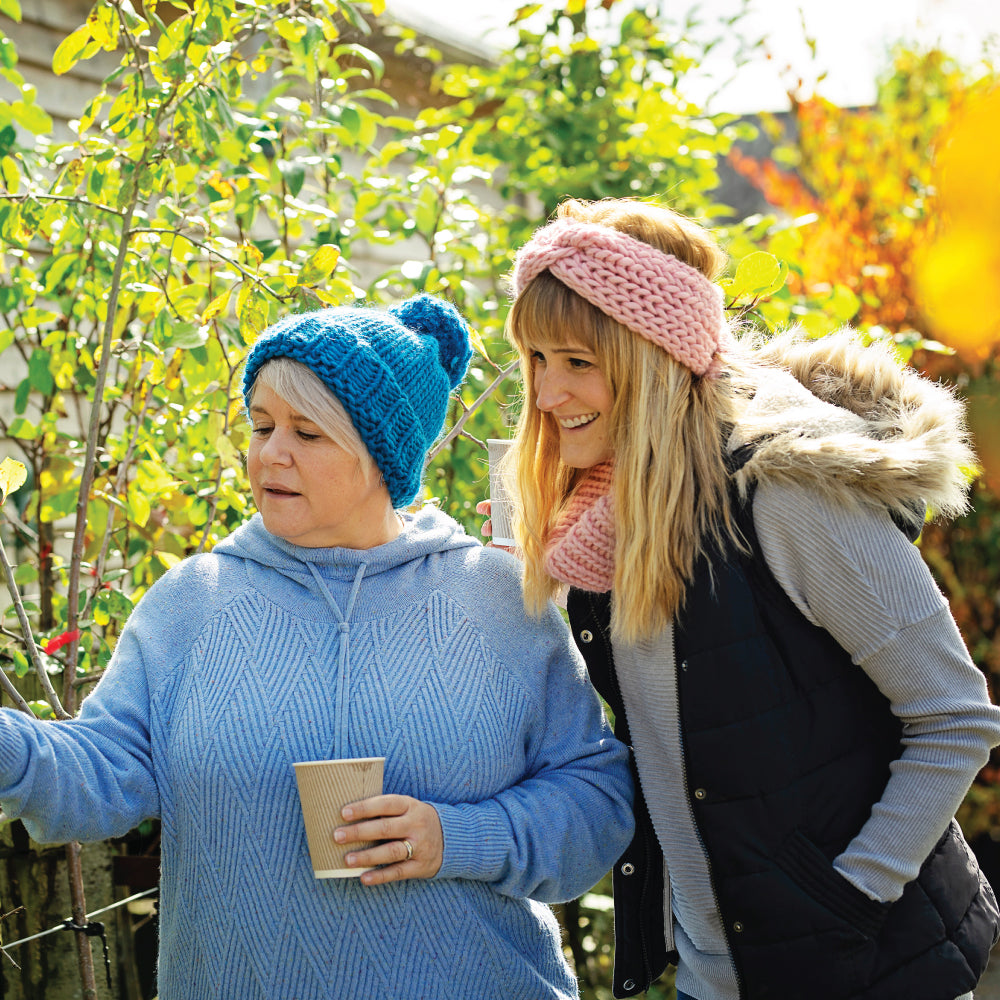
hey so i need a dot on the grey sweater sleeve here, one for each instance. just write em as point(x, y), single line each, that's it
point(852, 572)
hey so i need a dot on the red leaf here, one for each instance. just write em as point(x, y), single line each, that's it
point(58, 641)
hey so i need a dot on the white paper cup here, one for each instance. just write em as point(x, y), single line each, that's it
point(325, 787)
point(500, 505)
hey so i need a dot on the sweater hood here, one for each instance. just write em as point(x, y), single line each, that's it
point(851, 421)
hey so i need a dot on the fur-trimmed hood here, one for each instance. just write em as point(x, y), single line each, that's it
point(852, 421)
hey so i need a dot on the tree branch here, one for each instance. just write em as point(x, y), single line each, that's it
point(29, 641)
point(459, 426)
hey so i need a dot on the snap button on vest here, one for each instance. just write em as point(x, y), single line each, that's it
point(629, 984)
point(628, 868)
point(738, 926)
point(700, 793)
point(586, 635)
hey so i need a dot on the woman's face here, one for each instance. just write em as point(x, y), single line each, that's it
point(573, 390)
point(308, 489)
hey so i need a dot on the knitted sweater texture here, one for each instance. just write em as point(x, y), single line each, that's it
point(242, 661)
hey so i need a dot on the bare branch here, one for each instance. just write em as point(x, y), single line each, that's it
point(29, 641)
point(459, 426)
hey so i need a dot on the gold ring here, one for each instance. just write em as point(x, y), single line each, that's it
point(409, 849)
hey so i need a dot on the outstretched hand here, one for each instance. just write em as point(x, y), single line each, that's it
point(397, 820)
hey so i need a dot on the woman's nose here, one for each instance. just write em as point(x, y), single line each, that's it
point(550, 391)
point(275, 450)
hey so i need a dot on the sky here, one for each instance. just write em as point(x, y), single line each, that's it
point(852, 41)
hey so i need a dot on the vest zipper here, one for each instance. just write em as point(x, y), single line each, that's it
point(701, 840)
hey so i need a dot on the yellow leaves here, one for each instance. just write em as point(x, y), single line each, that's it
point(10, 174)
point(138, 505)
point(292, 29)
point(526, 10)
point(968, 163)
point(217, 307)
point(758, 274)
point(476, 339)
point(320, 265)
point(99, 31)
point(70, 49)
point(103, 26)
point(958, 275)
point(12, 477)
point(252, 312)
point(222, 194)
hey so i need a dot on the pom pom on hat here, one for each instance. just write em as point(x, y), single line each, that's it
point(391, 371)
point(441, 320)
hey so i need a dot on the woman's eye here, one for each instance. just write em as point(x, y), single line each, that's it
point(579, 363)
point(308, 436)
point(261, 431)
point(537, 357)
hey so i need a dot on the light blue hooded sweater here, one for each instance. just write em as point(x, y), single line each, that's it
point(261, 653)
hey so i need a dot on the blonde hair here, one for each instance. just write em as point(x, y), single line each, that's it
point(667, 430)
point(301, 388)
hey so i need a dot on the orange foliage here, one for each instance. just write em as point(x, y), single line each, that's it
point(866, 175)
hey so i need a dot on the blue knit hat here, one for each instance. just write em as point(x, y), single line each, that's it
point(392, 372)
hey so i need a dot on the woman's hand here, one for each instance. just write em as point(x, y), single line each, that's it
point(398, 820)
point(483, 507)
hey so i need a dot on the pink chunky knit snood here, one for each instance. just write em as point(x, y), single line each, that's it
point(581, 549)
point(653, 293)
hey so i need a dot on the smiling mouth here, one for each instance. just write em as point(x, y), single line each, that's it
point(581, 421)
point(277, 492)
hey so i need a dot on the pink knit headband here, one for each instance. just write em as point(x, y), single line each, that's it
point(653, 293)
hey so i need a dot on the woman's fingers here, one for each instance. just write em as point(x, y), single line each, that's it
point(483, 507)
point(372, 819)
point(409, 834)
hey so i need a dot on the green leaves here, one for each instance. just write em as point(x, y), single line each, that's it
point(758, 275)
point(39, 374)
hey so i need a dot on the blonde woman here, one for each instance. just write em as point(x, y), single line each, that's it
point(735, 527)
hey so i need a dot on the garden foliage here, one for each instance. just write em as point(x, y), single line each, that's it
point(244, 160)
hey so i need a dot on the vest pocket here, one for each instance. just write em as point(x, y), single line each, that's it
point(800, 858)
point(808, 933)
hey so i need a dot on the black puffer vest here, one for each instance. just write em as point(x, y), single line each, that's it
point(787, 746)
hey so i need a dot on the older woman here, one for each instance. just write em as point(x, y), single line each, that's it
point(332, 625)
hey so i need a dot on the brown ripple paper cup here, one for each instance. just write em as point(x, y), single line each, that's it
point(325, 787)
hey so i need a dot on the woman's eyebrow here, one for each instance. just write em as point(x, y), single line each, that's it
point(296, 418)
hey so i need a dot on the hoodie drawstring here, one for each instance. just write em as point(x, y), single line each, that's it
point(341, 732)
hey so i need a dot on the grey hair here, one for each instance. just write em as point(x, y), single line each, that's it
point(301, 388)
